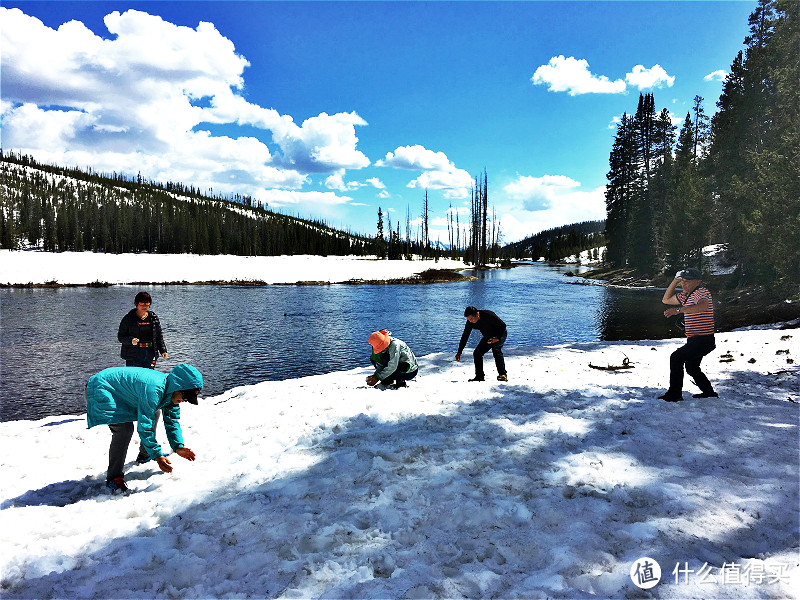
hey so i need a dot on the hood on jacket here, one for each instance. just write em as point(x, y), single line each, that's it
point(183, 377)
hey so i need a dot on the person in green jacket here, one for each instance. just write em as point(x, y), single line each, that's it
point(120, 396)
point(394, 361)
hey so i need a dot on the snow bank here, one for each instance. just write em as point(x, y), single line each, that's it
point(550, 485)
point(88, 267)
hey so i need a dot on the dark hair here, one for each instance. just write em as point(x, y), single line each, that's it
point(142, 297)
point(470, 311)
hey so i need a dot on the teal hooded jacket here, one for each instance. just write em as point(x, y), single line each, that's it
point(126, 394)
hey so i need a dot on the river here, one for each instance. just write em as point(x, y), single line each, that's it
point(52, 340)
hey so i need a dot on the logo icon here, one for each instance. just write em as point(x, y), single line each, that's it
point(645, 573)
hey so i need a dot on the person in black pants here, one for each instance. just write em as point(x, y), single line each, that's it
point(141, 336)
point(695, 303)
point(494, 335)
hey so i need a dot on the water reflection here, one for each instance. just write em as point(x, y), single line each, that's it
point(52, 340)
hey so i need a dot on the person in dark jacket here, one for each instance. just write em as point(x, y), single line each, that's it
point(121, 396)
point(494, 335)
point(140, 335)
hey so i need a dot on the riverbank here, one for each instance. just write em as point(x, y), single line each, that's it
point(551, 484)
point(733, 307)
point(31, 268)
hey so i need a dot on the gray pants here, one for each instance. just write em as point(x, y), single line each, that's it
point(121, 434)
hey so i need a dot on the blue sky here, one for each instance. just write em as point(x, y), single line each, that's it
point(331, 109)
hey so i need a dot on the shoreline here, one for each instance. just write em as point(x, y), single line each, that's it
point(734, 307)
point(32, 269)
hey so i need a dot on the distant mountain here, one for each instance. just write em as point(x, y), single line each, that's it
point(58, 209)
point(560, 242)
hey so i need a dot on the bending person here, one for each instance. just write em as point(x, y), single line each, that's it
point(394, 361)
point(121, 396)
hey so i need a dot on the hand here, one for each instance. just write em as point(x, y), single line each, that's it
point(185, 453)
point(164, 464)
point(135, 341)
point(670, 312)
point(372, 380)
point(492, 340)
point(458, 357)
point(164, 355)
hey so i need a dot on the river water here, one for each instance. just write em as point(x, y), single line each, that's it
point(53, 340)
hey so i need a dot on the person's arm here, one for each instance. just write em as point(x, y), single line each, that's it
point(394, 360)
point(159, 336)
point(145, 421)
point(464, 338)
point(670, 297)
point(123, 333)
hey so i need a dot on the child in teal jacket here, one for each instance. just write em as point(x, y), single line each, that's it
point(120, 396)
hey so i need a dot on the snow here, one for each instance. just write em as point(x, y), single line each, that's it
point(81, 268)
point(550, 485)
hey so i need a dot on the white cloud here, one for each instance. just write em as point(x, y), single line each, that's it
point(336, 182)
point(282, 198)
point(573, 76)
point(553, 200)
point(139, 100)
point(653, 77)
point(376, 183)
point(439, 173)
point(384, 194)
point(716, 76)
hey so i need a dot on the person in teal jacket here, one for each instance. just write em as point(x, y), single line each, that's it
point(394, 361)
point(120, 396)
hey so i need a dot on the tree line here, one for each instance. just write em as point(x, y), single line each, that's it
point(60, 209)
point(732, 178)
point(560, 242)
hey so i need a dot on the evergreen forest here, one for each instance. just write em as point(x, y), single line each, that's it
point(560, 242)
point(59, 209)
point(733, 178)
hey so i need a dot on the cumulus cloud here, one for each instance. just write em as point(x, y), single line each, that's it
point(719, 75)
point(439, 173)
point(283, 198)
point(139, 100)
point(650, 78)
point(376, 183)
point(573, 76)
point(553, 200)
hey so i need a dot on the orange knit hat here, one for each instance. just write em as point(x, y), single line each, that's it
point(379, 340)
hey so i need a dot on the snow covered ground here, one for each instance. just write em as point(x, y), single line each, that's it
point(551, 485)
point(30, 266)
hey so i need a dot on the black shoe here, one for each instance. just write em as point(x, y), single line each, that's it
point(400, 384)
point(706, 395)
point(502, 378)
point(476, 378)
point(670, 397)
point(143, 458)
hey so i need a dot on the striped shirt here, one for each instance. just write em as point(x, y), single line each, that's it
point(701, 323)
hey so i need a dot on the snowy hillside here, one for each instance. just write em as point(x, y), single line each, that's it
point(550, 485)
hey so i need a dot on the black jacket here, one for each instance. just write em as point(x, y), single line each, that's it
point(490, 326)
point(147, 330)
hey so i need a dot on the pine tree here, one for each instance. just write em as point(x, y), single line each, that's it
point(619, 192)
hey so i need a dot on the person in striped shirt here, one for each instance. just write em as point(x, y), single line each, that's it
point(693, 301)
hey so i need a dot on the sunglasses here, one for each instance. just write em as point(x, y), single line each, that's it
point(144, 303)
